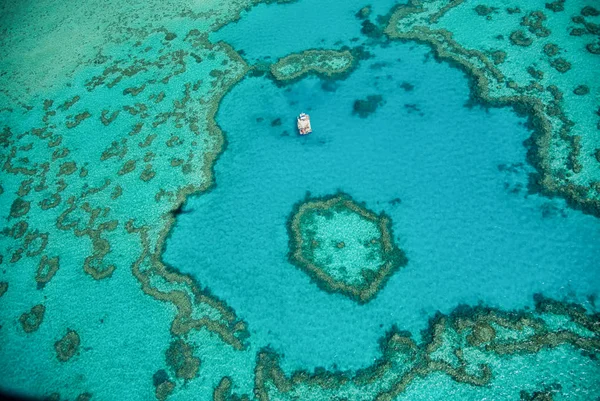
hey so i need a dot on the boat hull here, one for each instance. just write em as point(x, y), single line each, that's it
point(304, 127)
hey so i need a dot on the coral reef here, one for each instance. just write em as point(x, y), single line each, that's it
point(343, 246)
point(46, 270)
point(223, 392)
point(332, 64)
point(365, 107)
point(163, 386)
point(67, 346)
point(553, 111)
point(460, 345)
point(30, 321)
point(68, 185)
point(181, 360)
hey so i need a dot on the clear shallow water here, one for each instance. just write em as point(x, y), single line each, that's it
point(465, 222)
point(272, 31)
point(470, 234)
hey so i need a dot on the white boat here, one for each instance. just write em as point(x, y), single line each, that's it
point(304, 124)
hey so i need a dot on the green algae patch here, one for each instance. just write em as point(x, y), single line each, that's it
point(344, 247)
point(324, 63)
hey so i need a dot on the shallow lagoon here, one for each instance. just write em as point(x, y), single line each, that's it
point(470, 230)
point(464, 218)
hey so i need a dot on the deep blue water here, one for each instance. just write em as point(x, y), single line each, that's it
point(470, 231)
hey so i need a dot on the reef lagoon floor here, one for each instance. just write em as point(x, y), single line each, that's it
point(168, 234)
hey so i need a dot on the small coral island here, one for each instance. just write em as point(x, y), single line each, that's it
point(344, 247)
point(325, 63)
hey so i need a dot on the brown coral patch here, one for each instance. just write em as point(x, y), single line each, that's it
point(47, 268)
point(19, 208)
point(181, 359)
point(163, 386)
point(31, 321)
point(67, 346)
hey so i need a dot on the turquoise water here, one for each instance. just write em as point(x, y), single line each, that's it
point(270, 32)
point(468, 237)
point(452, 178)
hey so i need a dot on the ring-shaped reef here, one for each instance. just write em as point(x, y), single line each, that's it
point(343, 246)
point(67, 346)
